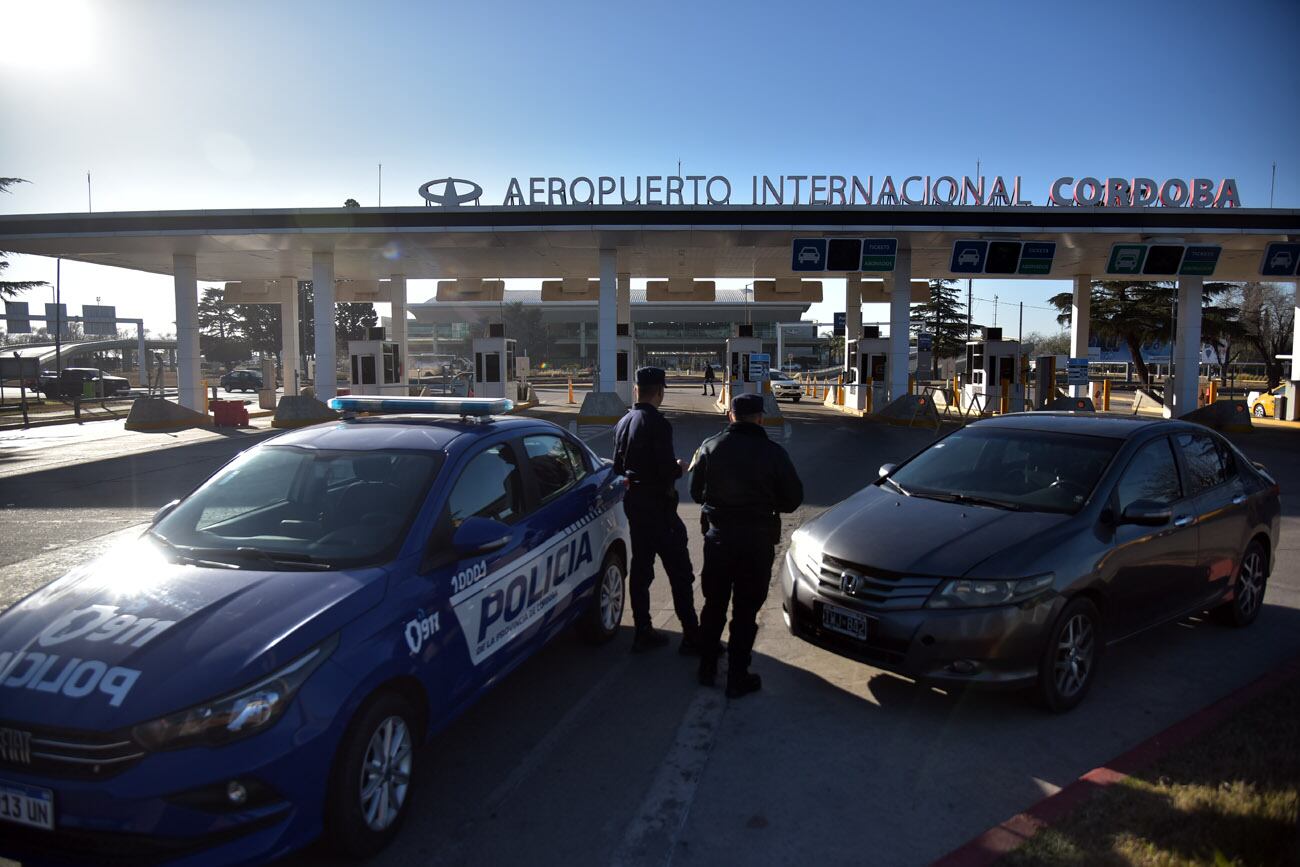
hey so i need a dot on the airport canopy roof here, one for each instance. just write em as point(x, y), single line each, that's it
point(701, 241)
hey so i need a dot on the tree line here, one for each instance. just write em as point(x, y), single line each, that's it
point(232, 333)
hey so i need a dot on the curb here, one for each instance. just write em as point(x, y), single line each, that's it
point(989, 847)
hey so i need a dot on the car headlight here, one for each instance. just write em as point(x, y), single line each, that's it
point(967, 593)
point(806, 553)
point(237, 715)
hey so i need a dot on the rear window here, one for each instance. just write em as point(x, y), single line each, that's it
point(1041, 471)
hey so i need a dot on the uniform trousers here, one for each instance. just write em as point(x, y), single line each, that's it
point(737, 570)
point(657, 531)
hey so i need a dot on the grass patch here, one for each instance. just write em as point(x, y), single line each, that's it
point(1231, 796)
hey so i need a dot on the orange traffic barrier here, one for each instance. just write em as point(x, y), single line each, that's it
point(571, 400)
point(1004, 398)
point(1105, 395)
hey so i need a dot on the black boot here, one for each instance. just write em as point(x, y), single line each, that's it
point(647, 638)
point(743, 684)
point(708, 674)
point(690, 645)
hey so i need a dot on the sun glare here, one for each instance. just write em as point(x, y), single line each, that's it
point(48, 34)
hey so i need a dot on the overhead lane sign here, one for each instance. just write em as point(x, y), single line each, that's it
point(1036, 257)
point(968, 257)
point(1280, 260)
point(1126, 258)
point(846, 255)
point(1200, 260)
point(1164, 260)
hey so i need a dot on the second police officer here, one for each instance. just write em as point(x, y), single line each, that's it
point(744, 481)
point(643, 451)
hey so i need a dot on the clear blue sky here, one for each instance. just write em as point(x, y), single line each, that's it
point(292, 104)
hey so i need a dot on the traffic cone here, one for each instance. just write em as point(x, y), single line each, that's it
point(571, 400)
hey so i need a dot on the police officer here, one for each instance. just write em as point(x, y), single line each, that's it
point(744, 480)
point(643, 451)
point(708, 379)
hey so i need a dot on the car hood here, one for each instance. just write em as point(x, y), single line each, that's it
point(881, 529)
point(131, 636)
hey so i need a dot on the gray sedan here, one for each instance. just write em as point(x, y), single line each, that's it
point(1011, 551)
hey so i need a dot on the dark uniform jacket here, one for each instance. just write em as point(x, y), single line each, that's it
point(744, 481)
point(643, 451)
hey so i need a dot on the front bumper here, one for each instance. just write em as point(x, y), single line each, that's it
point(988, 647)
point(162, 810)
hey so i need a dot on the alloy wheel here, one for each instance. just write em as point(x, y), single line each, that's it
point(611, 597)
point(1074, 655)
point(1250, 584)
point(386, 773)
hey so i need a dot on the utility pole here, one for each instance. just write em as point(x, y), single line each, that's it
point(1271, 184)
point(995, 310)
point(58, 316)
point(1020, 333)
point(970, 329)
point(381, 185)
point(89, 208)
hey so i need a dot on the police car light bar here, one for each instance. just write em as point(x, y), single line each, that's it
point(460, 406)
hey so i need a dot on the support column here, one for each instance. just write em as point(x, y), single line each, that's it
point(1293, 392)
point(900, 321)
point(853, 307)
point(607, 321)
point(322, 285)
point(398, 315)
point(142, 353)
point(624, 284)
point(289, 350)
point(1080, 314)
point(189, 390)
point(582, 339)
point(1187, 345)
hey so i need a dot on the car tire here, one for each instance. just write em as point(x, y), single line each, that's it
point(382, 734)
point(1258, 411)
point(1248, 592)
point(601, 621)
point(1069, 662)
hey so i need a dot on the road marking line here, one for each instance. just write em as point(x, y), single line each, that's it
point(654, 833)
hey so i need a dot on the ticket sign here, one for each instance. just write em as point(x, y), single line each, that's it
point(1126, 259)
point(1280, 260)
point(808, 254)
point(879, 254)
point(1200, 260)
point(1036, 257)
point(1076, 371)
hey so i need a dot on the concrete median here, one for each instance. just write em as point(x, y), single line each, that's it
point(160, 414)
point(1223, 415)
point(301, 411)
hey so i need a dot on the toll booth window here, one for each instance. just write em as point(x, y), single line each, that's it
point(1152, 476)
point(489, 487)
point(492, 367)
point(367, 370)
point(552, 465)
point(1207, 463)
point(621, 374)
point(390, 364)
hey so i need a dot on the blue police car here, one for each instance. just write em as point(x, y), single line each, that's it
point(259, 666)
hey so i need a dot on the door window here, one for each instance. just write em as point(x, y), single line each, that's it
point(552, 465)
point(489, 487)
point(1152, 476)
point(1207, 461)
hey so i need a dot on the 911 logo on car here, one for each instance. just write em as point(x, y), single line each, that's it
point(420, 630)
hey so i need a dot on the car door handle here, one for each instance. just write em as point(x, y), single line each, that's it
point(1184, 521)
point(1239, 499)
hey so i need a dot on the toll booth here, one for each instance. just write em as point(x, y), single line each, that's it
point(376, 367)
point(741, 379)
point(992, 371)
point(625, 363)
point(1044, 381)
point(494, 364)
point(866, 370)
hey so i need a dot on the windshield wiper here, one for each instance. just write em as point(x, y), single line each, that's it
point(970, 500)
point(222, 557)
point(902, 490)
point(185, 555)
point(280, 560)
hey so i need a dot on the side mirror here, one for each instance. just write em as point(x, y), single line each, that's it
point(1147, 514)
point(164, 511)
point(887, 470)
point(480, 535)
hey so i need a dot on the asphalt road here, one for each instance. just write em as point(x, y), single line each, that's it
point(595, 756)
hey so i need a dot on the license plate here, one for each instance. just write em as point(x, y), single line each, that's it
point(27, 805)
point(845, 622)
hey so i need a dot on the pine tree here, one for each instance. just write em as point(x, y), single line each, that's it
point(943, 316)
point(11, 288)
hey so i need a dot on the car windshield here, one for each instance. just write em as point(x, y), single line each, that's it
point(1023, 470)
point(289, 507)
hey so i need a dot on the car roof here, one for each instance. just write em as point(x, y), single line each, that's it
point(1088, 424)
point(416, 432)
